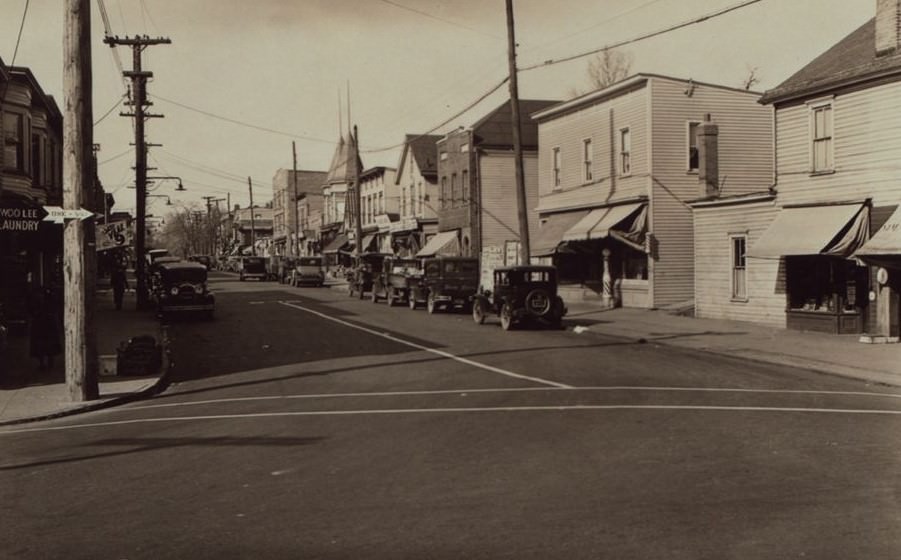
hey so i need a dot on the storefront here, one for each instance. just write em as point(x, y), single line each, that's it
point(883, 253)
point(826, 290)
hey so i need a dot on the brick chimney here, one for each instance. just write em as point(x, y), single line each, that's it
point(888, 26)
point(708, 157)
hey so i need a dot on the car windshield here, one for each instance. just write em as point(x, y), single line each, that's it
point(184, 275)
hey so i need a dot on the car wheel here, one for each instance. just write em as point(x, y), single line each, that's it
point(506, 317)
point(374, 296)
point(538, 302)
point(478, 312)
point(391, 297)
point(350, 290)
point(430, 305)
point(411, 302)
point(241, 277)
point(361, 294)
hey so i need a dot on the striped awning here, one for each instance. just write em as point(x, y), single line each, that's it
point(598, 223)
point(834, 229)
point(443, 243)
point(550, 234)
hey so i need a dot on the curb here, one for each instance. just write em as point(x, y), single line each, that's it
point(151, 390)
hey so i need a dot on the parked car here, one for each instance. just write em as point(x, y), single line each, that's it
point(153, 272)
point(308, 271)
point(396, 280)
point(521, 294)
point(181, 287)
point(361, 274)
point(253, 267)
point(447, 283)
point(205, 260)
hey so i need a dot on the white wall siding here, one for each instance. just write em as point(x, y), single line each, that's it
point(569, 131)
point(867, 144)
point(745, 165)
point(500, 221)
point(714, 227)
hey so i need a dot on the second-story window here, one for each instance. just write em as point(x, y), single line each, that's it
point(587, 156)
point(421, 197)
point(464, 180)
point(382, 202)
point(453, 189)
point(625, 151)
point(14, 142)
point(821, 137)
point(739, 268)
point(444, 197)
point(403, 202)
point(555, 166)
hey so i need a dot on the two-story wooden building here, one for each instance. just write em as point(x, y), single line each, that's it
point(417, 182)
point(477, 211)
point(616, 168)
point(807, 254)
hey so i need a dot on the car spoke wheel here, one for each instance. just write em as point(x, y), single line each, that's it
point(478, 313)
point(506, 318)
point(374, 297)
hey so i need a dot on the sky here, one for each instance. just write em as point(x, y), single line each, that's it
point(286, 66)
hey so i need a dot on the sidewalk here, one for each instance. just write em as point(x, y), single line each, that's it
point(27, 393)
point(833, 354)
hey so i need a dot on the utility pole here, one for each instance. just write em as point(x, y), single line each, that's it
point(140, 103)
point(253, 229)
point(521, 200)
point(358, 219)
point(294, 200)
point(78, 185)
point(208, 230)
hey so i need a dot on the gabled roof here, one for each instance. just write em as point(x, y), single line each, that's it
point(338, 171)
point(851, 60)
point(424, 149)
point(308, 182)
point(494, 129)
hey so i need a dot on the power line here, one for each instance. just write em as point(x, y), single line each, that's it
point(436, 18)
point(111, 109)
point(700, 19)
point(235, 121)
point(19, 36)
point(216, 172)
point(117, 156)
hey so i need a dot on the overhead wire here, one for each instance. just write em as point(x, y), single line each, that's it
point(111, 109)
point(447, 21)
point(16, 49)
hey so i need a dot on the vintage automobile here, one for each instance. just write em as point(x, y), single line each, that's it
point(253, 267)
point(396, 280)
point(447, 283)
point(308, 271)
point(153, 269)
point(181, 287)
point(521, 294)
point(361, 274)
point(205, 260)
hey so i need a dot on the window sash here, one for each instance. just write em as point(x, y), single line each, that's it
point(587, 162)
point(625, 137)
point(821, 138)
point(556, 166)
point(739, 268)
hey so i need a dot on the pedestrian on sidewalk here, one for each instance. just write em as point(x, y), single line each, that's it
point(44, 332)
point(119, 283)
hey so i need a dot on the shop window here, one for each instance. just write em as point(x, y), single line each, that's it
point(739, 268)
point(825, 285)
point(635, 264)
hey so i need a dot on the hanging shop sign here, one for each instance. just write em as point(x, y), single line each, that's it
point(114, 235)
point(18, 216)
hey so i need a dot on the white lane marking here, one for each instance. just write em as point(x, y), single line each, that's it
point(441, 353)
point(390, 411)
point(463, 392)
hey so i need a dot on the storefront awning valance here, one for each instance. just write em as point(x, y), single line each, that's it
point(884, 248)
point(338, 243)
point(837, 229)
point(550, 234)
point(598, 223)
point(443, 243)
point(367, 242)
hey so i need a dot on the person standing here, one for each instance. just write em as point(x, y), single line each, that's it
point(119, 283)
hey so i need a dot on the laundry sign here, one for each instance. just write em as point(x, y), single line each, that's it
point(17, 216)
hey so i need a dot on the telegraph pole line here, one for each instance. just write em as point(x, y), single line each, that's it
point(521, 199)
point(208, 233)
point(78, 185)
point(294, 202)
point(253, 229)
point(140, 103)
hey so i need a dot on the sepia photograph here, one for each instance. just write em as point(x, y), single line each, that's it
point(450, 279)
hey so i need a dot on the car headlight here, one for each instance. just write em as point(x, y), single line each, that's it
point(174, 291)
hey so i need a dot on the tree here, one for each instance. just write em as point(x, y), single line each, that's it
point(752, 78)
point(604, 69)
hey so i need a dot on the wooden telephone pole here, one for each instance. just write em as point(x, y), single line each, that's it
point(296, 249)
point(78, 185)
point(253, 229)
point(357, 199)
point(521, 200)
point(140, 103)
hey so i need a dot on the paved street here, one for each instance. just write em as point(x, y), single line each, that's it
point(302, 423)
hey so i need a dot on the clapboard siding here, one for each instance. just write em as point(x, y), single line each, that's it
point(601, 123)
point(499, 217)
point(867, 145)
point(713, 257)
point(745, 165)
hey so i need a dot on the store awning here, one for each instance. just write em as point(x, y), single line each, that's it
point(338, 243)
point(367, 242)
point(598, 223)
point(813, 230)
point(550, 234)
point(443, 243)
point(884, 248)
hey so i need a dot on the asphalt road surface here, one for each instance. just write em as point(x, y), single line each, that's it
point(302, 423)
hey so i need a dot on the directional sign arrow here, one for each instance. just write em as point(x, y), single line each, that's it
point(58, 215)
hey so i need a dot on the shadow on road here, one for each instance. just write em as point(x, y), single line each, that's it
point(140, 445)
